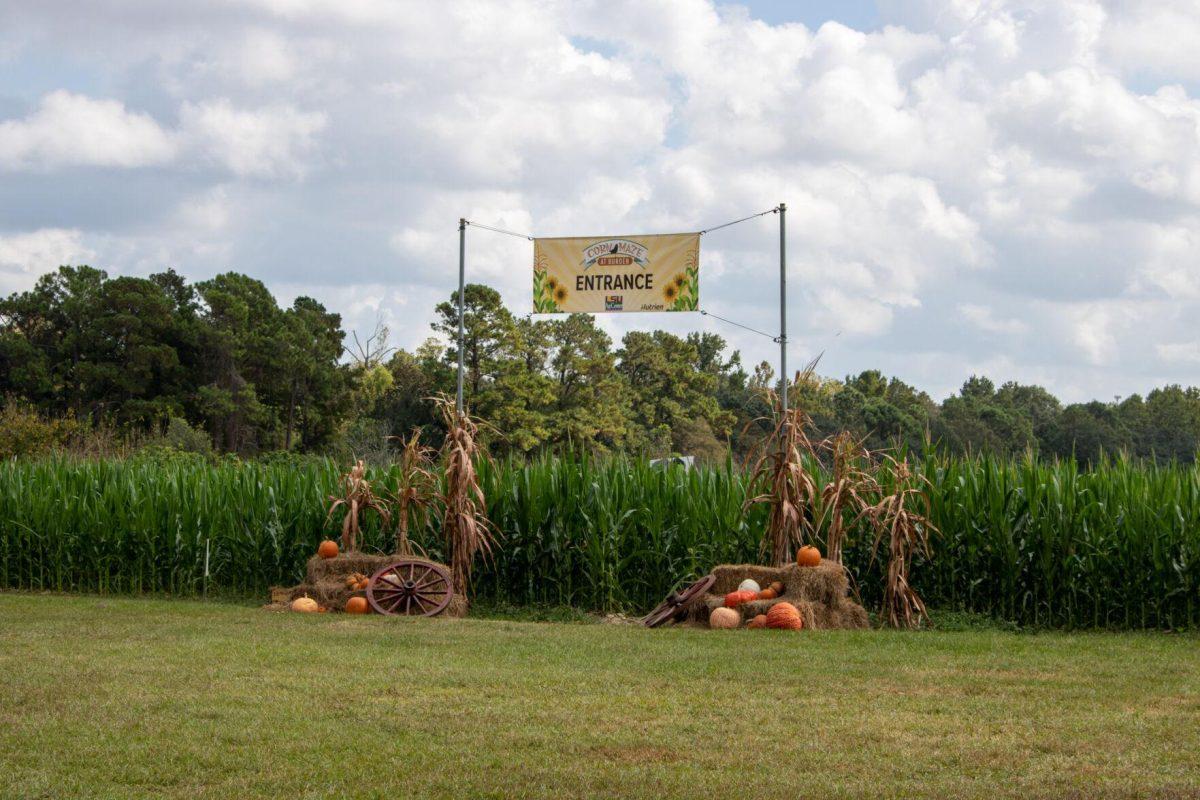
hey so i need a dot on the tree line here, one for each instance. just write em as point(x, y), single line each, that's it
point(223, 357)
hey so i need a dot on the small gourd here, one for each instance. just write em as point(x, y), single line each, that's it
point(767, 594)
point(758, 622)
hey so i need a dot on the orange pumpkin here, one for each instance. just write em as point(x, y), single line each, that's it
point(758, 622)
point(767, 594)
point(735, 599)
point(724, 618)
point(784, 616)
point(305, 605)
point(362, 585)
point(776, 587)
point(356, 605)
point(327, 549)
point(808, 556)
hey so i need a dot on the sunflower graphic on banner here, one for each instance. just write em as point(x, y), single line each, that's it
point(654, 272)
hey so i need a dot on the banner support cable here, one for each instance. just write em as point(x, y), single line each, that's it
point(743, 219)
point(740, 325)
point(525, 236)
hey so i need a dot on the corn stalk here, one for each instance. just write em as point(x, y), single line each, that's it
point(358, 497)
point(465, 526)
point(906, 530)
point(850, 488)
point(780, 463)
point(416, 490)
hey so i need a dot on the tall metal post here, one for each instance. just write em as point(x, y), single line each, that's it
point(462, 273)
point(783, 303)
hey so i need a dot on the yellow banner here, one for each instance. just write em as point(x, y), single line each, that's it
point(657, 272)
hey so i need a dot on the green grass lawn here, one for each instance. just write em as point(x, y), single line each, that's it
point(158, 698)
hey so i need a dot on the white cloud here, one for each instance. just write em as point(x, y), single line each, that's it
point(975, 177)
point(73, 130)
point(265, 142)
point(208, 211)
point(1158, 37)
point(985, 319)
point(1180, 352)
point(24, 256)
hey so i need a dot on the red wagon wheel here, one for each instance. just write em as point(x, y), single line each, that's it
point(410, 587)
point(672, 607)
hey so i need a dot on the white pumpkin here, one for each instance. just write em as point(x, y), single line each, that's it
point(749, 585)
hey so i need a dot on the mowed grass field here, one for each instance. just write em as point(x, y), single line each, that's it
point(131, 698)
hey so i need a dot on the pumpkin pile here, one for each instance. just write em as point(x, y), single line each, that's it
point(357, 582)
point(781, 616)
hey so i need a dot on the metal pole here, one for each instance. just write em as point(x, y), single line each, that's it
point(462, 272)
point(783, 303)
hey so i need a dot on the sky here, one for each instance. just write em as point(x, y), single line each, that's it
point(973, 186)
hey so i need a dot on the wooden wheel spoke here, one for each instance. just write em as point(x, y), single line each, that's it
point(426, 585)
point(395, 603)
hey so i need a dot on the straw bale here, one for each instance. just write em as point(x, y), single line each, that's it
point(819, 593)
point(344, 564)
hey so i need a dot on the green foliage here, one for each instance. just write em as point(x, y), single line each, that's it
point(125, 355)
point(25, 432)
point(1037, 543)
point(186, 439)
point(138, 352)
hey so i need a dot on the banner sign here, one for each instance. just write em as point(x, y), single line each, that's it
point(657, 272)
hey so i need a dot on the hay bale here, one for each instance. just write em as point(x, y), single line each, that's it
point(325, 581)
point(344, 564)
point(819, 593)
point(330, 592)
point(823, 583)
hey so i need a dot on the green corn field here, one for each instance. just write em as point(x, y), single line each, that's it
point(1037, 543)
